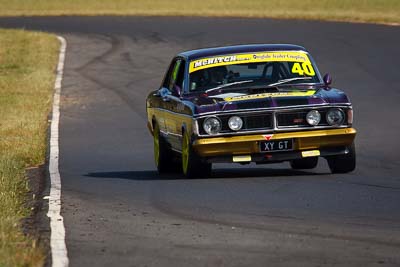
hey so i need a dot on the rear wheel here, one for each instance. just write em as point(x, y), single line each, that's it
point(163, 157)
point(343, 163)
point(306, 163)
point(192, 165)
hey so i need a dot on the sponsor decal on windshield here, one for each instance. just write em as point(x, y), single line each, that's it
point(289, 56)
point(279, 94)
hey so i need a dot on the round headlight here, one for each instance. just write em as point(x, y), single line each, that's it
point(313, 117)
point(235, 123)
point(212, 125)
point(335, 117)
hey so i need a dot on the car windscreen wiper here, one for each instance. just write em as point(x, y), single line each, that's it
point(227, 85)
point(289, 80)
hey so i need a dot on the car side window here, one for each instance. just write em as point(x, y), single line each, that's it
point(168, 74)
point(179, 81)
point(175, 75)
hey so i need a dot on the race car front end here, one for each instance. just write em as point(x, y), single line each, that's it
point(295, 135)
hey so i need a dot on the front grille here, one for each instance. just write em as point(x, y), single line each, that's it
point(265, 120)
point(258, 122)
point(297, 119)
point(290, 119)
point(250, 122)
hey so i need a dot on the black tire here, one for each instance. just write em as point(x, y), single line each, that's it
point(163, 156)
point(192, 165)
point(306, 163)
point(343, 163)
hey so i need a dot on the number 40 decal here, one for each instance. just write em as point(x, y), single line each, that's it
point(304, 68)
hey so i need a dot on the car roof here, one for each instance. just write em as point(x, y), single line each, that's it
point(237, 49)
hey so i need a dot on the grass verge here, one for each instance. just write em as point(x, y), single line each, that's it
point(375, 11)
point(27, 63)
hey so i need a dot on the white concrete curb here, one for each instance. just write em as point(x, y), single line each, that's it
point(57, 239)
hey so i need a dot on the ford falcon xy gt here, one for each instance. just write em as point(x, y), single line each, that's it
point(249, 103)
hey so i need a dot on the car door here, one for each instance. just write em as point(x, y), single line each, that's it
point(171, 102)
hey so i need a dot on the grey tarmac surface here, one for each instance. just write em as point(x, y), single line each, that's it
point(119, 212)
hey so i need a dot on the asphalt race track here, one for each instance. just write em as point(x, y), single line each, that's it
point(119, 212)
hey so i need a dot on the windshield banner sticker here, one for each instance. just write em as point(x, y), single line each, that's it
point(280, 94)
point(290, 56)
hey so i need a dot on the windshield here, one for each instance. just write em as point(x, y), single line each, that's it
point(248, 70)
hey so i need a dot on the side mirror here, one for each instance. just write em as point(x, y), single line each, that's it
point(327, 80)
point(176, 90)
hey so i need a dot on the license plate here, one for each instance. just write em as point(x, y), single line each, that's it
point(276, 145)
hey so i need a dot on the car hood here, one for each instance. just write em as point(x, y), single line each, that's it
point(231, 101)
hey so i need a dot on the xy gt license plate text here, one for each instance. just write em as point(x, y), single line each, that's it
point(277, 145)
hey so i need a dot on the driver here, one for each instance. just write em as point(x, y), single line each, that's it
point(218, 75)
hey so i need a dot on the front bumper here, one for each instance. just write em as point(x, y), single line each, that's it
point(326, 142)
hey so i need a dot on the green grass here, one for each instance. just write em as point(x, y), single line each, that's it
point(377, 11)
point(27, 64)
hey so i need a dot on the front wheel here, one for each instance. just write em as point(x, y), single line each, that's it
point(343, 163)
point(162, 153)
point(192, 165)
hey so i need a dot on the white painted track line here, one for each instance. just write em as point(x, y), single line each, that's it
point(57, 240)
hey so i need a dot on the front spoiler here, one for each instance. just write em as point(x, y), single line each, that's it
point(322, 140)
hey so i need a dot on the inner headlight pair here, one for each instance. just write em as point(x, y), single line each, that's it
point(213, 125)
point(334, 117)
